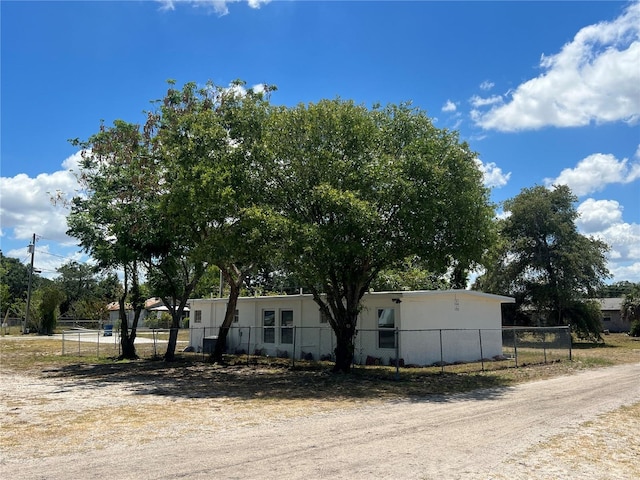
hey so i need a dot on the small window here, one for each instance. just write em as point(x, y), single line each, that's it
point(286, 326)
point(386, 327)
point(236, 317)
point(197, 316)
point(269, 324)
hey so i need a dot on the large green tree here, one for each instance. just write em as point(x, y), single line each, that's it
point(207, 142)
point(14, 281)
point(48, 300)
point(363, 189)
point(179, 193)
point(110, 215)
point(544, 262)
point(630, 309)
point(87, 292)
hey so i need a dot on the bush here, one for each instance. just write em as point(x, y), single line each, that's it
point(635, 328)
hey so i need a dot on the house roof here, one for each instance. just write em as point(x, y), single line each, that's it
point(610, 303)
point(400, 294)
point(472, 293)
point(164, 308)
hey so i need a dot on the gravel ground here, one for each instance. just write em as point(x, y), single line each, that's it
point(574, 427)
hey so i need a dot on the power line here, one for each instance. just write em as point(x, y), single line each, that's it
point(54, 254)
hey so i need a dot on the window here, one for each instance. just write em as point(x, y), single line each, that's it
point(386, 326)
point(286, 326)
point(197, 316)
point(268, 324)
point(323, 317)
point(236, 317)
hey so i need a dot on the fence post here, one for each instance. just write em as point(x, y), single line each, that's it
point(544, 345)
point(515, 347)
point(248, 345)
point(78, 343)
point(441, 354)
point(397, 354)
point(63, 342)
point(570, 342)
point(293, 353)
point(98, 344)
point(153, 336)
point(481, 352)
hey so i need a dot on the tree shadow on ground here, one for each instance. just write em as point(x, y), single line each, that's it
point(189, 378)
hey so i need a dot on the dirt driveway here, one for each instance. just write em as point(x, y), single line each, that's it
point(579, 426)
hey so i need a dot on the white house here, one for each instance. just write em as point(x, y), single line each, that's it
point(450, 325)
point(153, 307)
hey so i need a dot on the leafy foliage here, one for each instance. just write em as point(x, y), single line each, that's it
point(361, 190)
point(14, 281)
point(543, 261)
point(631, 310)
point(50, 298)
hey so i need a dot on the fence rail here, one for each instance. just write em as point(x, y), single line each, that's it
point(445, 349)
point(434, 347)
point(106, 342)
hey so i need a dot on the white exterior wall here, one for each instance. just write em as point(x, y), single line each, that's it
point(417, 314)
point(478, 314)
point(311, 336)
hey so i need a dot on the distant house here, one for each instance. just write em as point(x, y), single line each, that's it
point(153, 307)
point(611, 315)
point(466, 323)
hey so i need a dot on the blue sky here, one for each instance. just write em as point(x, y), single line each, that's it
point(545, 92)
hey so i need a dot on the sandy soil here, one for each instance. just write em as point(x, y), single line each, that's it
point(574, 427)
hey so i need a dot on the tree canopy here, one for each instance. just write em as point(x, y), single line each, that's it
point(544, 262)
point(363, 189)
point(329, 194)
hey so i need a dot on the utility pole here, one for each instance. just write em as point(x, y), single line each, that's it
point(32, 251)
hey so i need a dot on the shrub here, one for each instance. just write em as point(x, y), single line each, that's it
point(635, 328)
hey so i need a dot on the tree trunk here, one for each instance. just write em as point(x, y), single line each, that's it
point(128, 348)
point(342, 312)
point(344, 350)
point(234, 293)
point(176, 315)
point(170, 354)
point(126, 340)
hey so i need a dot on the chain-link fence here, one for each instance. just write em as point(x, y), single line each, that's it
point(106, 343)
point(537, 344)
point(11, 326)
point(444, 349)
point(452, 349)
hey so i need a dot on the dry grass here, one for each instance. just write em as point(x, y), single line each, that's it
point(274, 378)
point(606, 448)
point(84, 400)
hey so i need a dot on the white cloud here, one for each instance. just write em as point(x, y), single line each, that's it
point(598, 215)
point(219, 7)
point(630, 272)
point(486, 85)
point(595, 172)
point(493, 176)
point(478, 102)
point(27, 207)
point(594, 78)
point(602, 219)
point(449, 106)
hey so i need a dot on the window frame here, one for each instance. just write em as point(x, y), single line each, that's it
point(386, 331)
point(269, 330)
point(286, 330)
